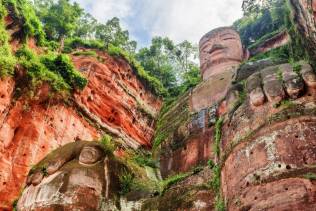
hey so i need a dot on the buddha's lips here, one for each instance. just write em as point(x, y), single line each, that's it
point(216, 48)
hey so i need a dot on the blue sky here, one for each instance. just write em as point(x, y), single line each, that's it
point(178, 19)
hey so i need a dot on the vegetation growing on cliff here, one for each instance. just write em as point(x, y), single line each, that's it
point(151, 82)
point(55, 69)
point(261, 22)
point(22, 13)
point(167, 123)
point(7, 60)
point(215, 182)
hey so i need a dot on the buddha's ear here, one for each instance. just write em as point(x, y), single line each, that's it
point(246, 53)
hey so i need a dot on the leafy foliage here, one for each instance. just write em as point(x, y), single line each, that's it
point(23, 13)
point(59, 18)
point(37, 72)
point(108, 144)
point(171, 69)
point(112, 33)
point(151, 82)
point(126, 182)
point(275, 17)
point(64, 67)
point(165, 63)
point(145, 160)
point(57, 70)
point(174, 179)
point(218, 136)
point(219, 204)
point(74, 43)
point(257, 26)
point(172, 64)
point(7, 60)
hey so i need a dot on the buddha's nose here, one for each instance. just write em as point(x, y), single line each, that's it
point(216, 47)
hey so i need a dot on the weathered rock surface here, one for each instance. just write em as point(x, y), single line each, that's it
point(276, 41)
point(114, 102)
point(188, 137)
point(192, 193)
point(116, 99)
point(268, 148)
point(304, 12)
point(27, 134)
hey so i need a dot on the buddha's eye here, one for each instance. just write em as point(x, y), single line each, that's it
point(229, 38)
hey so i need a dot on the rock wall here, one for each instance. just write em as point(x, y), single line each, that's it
point(268, 151)
point(263, 153)
point(115, 102)
point(116, 99)
point(278, 40)
point(304, 18)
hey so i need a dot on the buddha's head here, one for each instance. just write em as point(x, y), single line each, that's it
point(220, 49)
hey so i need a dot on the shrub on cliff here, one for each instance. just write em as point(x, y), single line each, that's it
point(7, 60)
point(151, 82)
point(23, 13)
point(267, 21)
point(76, 42)
point(57, 70)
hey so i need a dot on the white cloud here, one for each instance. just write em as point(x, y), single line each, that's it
point(104, 10)
point(189, 19)
point(178, 19)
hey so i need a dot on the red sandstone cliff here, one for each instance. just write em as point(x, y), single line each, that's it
point(114, 102)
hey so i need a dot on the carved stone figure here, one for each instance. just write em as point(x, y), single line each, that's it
point(77, 176)
point(268, 144)
point(221, 53)
point(220, 49)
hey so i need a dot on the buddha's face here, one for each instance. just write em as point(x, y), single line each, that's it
point(90, 155)
point(219, 49)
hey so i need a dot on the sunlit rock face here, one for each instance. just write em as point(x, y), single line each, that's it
point(116, 99)
point(77, 176)
point(114, 102)
point(268, 146)
point(29, 131)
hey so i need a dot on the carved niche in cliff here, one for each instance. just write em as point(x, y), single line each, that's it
point(77, 176)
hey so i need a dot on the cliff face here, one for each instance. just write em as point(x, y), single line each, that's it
point(114, 102)
point(244, 139)
point(305, 17)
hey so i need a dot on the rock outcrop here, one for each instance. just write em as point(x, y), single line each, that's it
point(304, 12)
point(116, 99)
point(280, 39)
point(115, 102)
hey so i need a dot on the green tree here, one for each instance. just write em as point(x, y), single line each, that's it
point(184, 55)
point(255, 6)
point(172, 64)
point(87, 26)
point(157, 60)
point(112, 33)
point(60, 18)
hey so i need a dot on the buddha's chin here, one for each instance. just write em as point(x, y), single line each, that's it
point(224, 62)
